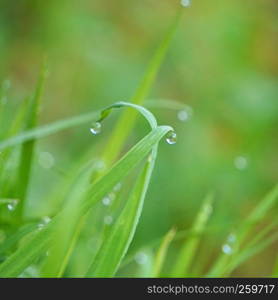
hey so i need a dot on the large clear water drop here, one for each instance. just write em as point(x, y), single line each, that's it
point(171, 138)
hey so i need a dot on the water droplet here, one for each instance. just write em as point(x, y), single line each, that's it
point(12, 205)
point(108, 220)
point(141, 258)
point(171, 138)
point(241, 162)
point(117, 187)
point(185, 3)
point(44, 221)
point(46, 160)
point(106, 201)
point(227, 249)
point(95, 128)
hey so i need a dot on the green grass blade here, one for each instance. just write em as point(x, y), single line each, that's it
point(28, 147)
point(162, 253)
point(257, 244)
point(263, 207)
point(125, 226)
point(72, 194)
point(249, 253)
point(13, 239)
point(188, 251)
point(246, 228)
point(57, 259)
point(14, 127)
point(15, 264)
point(64, 242)
point(49, 129)
point(25, 255)
point(117, 242)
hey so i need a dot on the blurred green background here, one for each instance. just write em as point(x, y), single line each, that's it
point(223, 63)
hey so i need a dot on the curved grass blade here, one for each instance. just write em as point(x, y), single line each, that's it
point(118, 239)
point(26, 254)
point(63, 241)
point(49, 129)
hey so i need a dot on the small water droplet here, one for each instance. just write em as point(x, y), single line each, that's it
point(108, 220)
point(95, 128)
point(227, 249)
point(241, 162)
point(12, 205)
point(171, 138)
point(185, 3)
point(46, 160)
point(44, 221)
point(141, 258)
point(106, 201)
